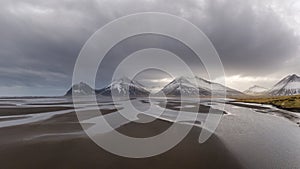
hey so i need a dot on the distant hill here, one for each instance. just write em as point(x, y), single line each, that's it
point(256, 90)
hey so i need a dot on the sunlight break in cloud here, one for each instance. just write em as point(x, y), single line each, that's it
point(244, 82)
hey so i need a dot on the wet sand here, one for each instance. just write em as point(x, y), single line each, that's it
point(244, 137)
point(188, 107)
point(8, 111)
point(248, 106)
point(294, 117)
point(62, 144)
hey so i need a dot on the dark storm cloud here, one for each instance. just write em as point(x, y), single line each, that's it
point(40, 40)
point(139, 42)
point(250, 39)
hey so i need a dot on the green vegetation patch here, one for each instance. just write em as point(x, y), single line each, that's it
point(290, 102)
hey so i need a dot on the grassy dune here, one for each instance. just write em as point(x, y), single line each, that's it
point(286, 102)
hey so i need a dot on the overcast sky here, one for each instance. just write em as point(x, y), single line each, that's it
point(258, 41)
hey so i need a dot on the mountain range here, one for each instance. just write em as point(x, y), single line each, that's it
point(180, 86)
point(186, 86)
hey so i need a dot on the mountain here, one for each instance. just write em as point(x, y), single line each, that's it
point(80, 89)
point(216, 87)
point(289, 85)
point(123, 87)
point(256, 90)
point(195, 87)
point(182, 86)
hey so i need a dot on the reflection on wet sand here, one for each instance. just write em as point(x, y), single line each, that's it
point(41, 134)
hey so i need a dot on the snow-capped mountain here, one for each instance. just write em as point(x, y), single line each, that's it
point(182, 86)
point(216, 87)
point(80, 89)
point(195, 86)
point(256, 90)
point(124, 87)
point(290, 85)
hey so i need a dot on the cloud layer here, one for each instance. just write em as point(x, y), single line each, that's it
point(40, 40)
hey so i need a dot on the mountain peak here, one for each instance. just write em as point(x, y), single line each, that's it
point(196, 86)
point(257, 86)
point(289, 85)
point(182, 80)
point(293, 76)
point(80, 89)
point(290, 77)
point(81, 84)
point(256, 90)
point(123, 87)
point(181, 86)
point(121, 80)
